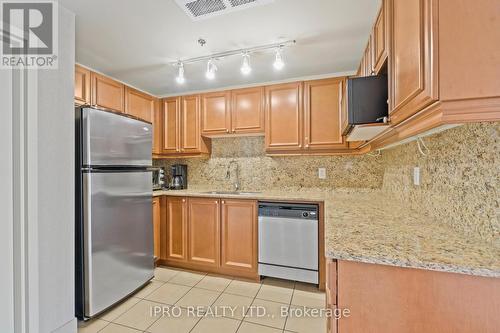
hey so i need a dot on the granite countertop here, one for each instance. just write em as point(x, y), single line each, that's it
point(361, 226)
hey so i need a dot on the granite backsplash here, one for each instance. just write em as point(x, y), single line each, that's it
point(259, 172)
point(460, 178)
point(460, 175)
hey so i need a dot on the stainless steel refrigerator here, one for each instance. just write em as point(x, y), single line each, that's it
point(114, 231)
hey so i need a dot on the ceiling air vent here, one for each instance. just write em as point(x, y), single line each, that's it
point(203, 9)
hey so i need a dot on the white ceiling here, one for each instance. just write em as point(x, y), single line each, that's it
point(134, 41)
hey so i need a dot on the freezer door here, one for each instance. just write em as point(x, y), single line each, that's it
point(114, 140)
point(118, 233)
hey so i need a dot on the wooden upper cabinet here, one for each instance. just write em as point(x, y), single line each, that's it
point(190, 124)
point(156, 226)
point(380, 37)
point(368, 58)
point(157, 127)
point(171, 125)
point(239, 235)
point(204, 237)
point(323, 107)
point(177, 219)
point(413, 61)
point(284, 117)
point(107, 93)
point(247, 110)
point(139, 104)
point(215, 113)
point(82, 85)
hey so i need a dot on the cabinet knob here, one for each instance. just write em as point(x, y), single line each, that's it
point(183, 200)
point(227, 131)
point(223, 201)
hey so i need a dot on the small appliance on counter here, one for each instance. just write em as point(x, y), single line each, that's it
point(179, 177)
point(158, 178)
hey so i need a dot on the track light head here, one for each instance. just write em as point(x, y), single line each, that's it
point(278, 61)
point(211, 69)
point(245, 67)
point(180, 76)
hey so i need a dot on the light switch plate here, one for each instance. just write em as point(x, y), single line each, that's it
point(321, 173)
point(416, 176)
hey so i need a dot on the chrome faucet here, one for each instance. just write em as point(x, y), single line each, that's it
point(236, 184)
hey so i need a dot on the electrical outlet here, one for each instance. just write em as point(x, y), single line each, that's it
point(416, 176)
point(321, 173)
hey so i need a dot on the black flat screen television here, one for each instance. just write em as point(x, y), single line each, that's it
point(367, 100)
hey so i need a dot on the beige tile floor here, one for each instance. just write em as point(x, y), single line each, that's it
point(176, 291)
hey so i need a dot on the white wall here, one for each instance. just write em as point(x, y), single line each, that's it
point(6, 232)
point(37, 194)
point(56, 183)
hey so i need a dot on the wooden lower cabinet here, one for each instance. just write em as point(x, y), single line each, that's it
point(390, 299)
point(177, 224)
point(239, 235)
point(203, 231)
point(212, 235)
point(156, 226)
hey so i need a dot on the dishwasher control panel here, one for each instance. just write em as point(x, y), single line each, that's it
point(288, 210)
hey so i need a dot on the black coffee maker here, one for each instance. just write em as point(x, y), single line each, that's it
point(179, 177)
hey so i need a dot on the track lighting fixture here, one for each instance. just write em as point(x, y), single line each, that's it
point(245, 67)
point(278, 61)
point(211, 69)
point(180, 76)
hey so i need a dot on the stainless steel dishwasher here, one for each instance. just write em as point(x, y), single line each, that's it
point(288, 241)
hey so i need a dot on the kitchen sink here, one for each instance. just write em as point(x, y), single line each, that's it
point(231, 192)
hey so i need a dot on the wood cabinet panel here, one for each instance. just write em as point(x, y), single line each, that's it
point(156, 226)
point(139, 104)
point(323, 107)
point(157, 128)
point(204, 237)
point(284, 117)
point(171, 125)
point(247, 110)
point(368, 58)
point(239, 234)
point(177, 228)
point(413, 65)
point(216, 113)
point(190, 124)
point(469, 49)
point(82, 86)
point(380, 38)
point(397, 300)
point(107, 93)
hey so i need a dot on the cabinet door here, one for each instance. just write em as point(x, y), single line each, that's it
point(391, 299)
point(82, 85)
point(239, 234)
point(368, 57)
point(247, 110)
point(177, 229)
point(215, 113)
point(413, 64)
point(139, 104)
point(157, 128)
point(380, 38)
point(107, 93)
point(190, 124)
point(284, 117)
point(156, 226)
point(171, 125)
point(323, 107)
point(204, 238)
